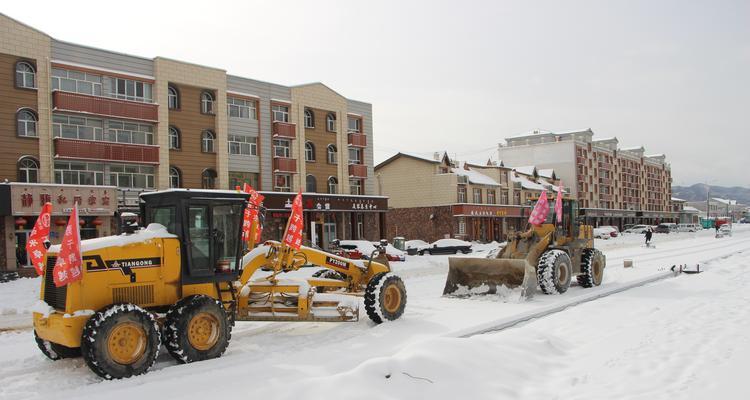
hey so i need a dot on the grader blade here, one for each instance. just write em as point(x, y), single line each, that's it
point(472, 276)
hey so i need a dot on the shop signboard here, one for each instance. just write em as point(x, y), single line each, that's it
point(27, 199)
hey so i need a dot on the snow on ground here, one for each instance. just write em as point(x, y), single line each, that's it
point(678, 338)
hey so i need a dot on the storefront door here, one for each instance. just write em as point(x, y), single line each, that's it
point(329, 233)
point(21, 258)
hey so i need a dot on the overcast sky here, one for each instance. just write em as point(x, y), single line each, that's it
point(673, 76)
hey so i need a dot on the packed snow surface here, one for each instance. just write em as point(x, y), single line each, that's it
point(152, 231)
point(679, 338)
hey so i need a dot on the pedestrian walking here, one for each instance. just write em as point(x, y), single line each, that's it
point(649, 234)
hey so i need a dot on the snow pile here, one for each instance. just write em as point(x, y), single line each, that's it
point(19, 296)
point(153, 231)
point(503, 293)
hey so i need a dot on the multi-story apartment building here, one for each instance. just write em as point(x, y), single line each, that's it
point(98, 127)
point(435, 198)
point(614, 186)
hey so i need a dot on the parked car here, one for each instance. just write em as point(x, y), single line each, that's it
point(446, 246)
point(356, 249)
point(613, 231)
point(600, 233)
point(667, 227)
point(416, 244)
point(639, 229)
point(392, 253)
point(688, 227)
point(724, 230)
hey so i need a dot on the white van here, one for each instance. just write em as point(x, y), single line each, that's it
point(688, 227)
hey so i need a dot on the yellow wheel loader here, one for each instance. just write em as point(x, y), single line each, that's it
point(183, 281)
point(547, 256)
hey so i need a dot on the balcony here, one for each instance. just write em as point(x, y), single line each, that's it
point(358, 170)
point(104, 106)
point(357, 139)
point(284, 130)
point(288, 165)
point(605, 181)
point(605, 197)
point(106, 151)
point(605, 166)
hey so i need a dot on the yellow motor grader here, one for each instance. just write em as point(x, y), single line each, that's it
point(547, 256)
point(183, 281)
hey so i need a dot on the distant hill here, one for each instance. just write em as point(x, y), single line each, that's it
point(697, 192)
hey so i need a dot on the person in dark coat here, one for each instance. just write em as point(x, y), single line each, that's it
point(649, 233)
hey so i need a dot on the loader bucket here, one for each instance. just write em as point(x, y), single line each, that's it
point(470, 276)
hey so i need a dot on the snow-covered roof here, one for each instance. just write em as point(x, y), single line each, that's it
point(525, 183)
point(724, 201)
point(475, 177)
point(547, 173)
point(636, 148)
point(550, 133)
point(676, 199)
point(415, 156)
point(526, 170)
point(690, 209)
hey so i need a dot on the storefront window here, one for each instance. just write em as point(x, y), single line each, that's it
point(462, 194)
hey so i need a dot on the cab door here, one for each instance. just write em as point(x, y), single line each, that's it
point(212, 239)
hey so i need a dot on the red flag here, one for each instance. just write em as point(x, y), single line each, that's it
point(39, 235)
point(540, 211)
point(251, 213)
point(293, 234)
point(558, 203)
point(68, 265)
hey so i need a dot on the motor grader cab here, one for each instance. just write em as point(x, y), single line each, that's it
point(548, 256)
point(184, 280)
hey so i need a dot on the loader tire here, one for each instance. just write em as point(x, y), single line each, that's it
point(385, 297)
point(197, 329)
point(553, 272)
point(55, 351)
point(120, 341)
point(327, 274)
point(592, 268)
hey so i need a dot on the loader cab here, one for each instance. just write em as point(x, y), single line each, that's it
point(208, 224)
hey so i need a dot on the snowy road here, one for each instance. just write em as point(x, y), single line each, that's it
point(643, 336)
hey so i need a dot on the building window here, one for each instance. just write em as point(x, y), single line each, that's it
point(28, 170)
point(79, 173)
point(174, 138)
point(128, 132)
point(131, 176)
point(355, 125)
point(237, 178)
point(208, 179)
point(243, 145)
point(282, 183)
point(128, 89)
point(207, 103)
point(461, 226)
point(207, 141)
point(332, 154)
point(175, 177)
point(333, 185)
point(309, 152)
point(241, 108)
point(478, 196)
point(25, 75)
point(503, 197)
point(173, 98)
point(355, 186)
point(76, 81)
point(26, 123)
point(280, 113)
point(517, 198)
point(281, 148)
point(75, 127)
point(355, 155)
point(490, 196)
point(462, 194)
point(331, 122)
point(309, 118)
point(311, 185)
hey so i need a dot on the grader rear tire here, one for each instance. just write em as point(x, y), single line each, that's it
point(554, 272)
point(120, 341)
point(55, 351)
point(197, 329)
point(592, 268)
point(385, 297)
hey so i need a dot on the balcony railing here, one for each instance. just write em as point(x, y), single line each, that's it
point(606, 166)
point(605, 181)
point(357, 140)
point(104, 106)
point(288, 165)
point(605, 197)
point(358, 170)
point(105, 151)
point(284, 130)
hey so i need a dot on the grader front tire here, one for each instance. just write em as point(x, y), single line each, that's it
point(197, 329)
point(120, 341)
point(385, 297)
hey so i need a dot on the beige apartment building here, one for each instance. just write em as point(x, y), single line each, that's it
point(82, 124)
point(613, 185)
point(435, 198)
